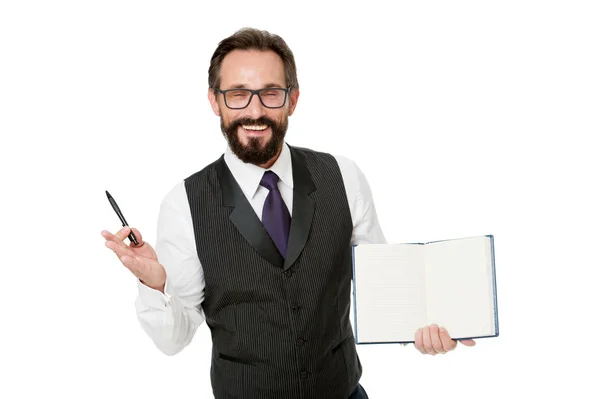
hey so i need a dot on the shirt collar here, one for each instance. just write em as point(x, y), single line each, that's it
point(248, 176)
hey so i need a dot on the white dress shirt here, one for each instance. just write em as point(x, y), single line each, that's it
point(171, 319)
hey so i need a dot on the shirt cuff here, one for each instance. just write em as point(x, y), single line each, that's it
point(153, 298)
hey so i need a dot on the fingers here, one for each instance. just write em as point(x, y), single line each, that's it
point(434, 340)
point(423, 341)
point(127, 257)
point(123, 233)
point(119, 248)
point(116, 244)
point(447, 342)
point(139, 259)
point(419, 341)
point(118, 236)
point(427, 341)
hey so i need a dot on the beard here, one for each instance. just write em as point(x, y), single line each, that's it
point(254, 151)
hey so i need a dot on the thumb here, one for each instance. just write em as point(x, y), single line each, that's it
point(122, 233)
point(467, 342)
point(138, 237)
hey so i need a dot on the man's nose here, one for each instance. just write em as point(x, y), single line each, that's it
point(255, 109)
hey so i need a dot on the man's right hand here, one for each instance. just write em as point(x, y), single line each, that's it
point(140, 259)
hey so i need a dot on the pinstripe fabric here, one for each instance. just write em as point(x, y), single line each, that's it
point(278, 333)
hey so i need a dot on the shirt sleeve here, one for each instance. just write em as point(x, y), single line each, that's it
point(171, 319)
point(366, 227)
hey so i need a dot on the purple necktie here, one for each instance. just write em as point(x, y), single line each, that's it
point(275, 216)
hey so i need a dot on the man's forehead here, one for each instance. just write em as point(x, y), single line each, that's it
point(248, 67)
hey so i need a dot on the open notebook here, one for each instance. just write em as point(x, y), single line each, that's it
point(399, 288)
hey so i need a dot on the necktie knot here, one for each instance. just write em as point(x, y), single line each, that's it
point(269, 180)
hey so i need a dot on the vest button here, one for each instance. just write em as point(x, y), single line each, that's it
point(300, 342)
point(295, 308)
point(288, 273)
point(304, 375)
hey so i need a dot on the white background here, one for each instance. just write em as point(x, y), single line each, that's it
point(467, 117)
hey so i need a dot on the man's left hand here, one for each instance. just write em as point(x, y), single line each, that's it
point(433, 339)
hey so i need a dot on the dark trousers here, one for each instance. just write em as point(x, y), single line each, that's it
point(359, 393)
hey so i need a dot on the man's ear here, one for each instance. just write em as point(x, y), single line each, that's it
point(293, 99)
point(214, 103)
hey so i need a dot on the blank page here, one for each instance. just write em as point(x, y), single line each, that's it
point(459, 286)
point(389, 288)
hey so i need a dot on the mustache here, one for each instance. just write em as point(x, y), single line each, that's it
point(263, 120)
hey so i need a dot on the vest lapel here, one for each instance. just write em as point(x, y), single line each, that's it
point(244, 218)
point(302, 210)
point(249, 225)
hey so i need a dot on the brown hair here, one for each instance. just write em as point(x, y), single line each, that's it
point(252, 39)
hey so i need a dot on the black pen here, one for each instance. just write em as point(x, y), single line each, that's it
point(116, 208)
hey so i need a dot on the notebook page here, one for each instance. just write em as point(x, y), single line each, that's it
point(459, 286)
point(389, 286)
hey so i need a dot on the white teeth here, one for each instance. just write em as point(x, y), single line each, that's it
point(249, 127)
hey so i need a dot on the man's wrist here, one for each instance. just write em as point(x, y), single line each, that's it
point(160, 288)
point(152, 297)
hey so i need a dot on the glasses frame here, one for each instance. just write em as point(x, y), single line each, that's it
point(257, 92)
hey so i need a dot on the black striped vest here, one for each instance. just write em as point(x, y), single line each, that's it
point(280, 328)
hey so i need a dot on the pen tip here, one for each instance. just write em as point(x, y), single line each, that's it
point(108, 194)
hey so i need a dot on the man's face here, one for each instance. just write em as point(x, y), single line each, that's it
point(255, 133)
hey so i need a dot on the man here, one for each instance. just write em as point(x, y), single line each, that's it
point(258, 244)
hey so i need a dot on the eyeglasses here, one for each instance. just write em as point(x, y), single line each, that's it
point(272, 97)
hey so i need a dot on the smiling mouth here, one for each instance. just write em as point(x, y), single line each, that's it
point(255, 128)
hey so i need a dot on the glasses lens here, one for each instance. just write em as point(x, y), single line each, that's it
point(273, 97)
point(237, 98)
